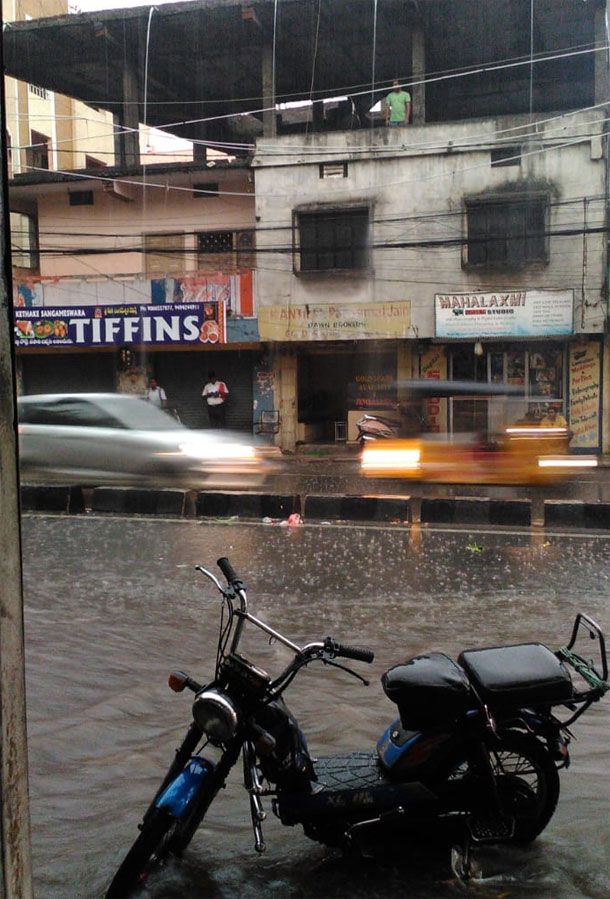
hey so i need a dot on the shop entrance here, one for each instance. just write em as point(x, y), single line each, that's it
point(539, 369)
point(336, 387)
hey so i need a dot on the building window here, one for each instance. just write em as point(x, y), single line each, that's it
point(333, 170)
point(205, 189)
point(80, 197)
point(24, 241)
point(333, 240)
point(506, 156)
point(506, 232)
point(37, 154)
point(226, 250)
point(163, 254)
point(39, 91)
point(92, 163)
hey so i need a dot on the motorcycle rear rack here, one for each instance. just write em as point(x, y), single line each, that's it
point(597, 682)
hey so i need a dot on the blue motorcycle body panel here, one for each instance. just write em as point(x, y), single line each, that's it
point(395, 743)
point(178, 795)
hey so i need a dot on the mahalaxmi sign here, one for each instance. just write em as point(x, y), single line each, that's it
point(340, 321)
point(506, 313)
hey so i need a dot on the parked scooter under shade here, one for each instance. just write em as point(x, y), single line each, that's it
point(473, 755)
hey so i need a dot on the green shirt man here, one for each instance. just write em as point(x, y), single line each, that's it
point(397, 106)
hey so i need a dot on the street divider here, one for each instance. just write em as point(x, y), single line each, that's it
point(275, 508)
point(137, 501)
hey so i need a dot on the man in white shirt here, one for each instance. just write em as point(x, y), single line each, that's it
point(156, 395)
point(214, 395)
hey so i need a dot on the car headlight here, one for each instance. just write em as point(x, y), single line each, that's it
point(216, 715)
point(220, 452)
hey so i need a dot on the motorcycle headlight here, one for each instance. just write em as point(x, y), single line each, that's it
point(216, 715)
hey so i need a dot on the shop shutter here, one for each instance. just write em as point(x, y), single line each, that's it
point(183, 376)
point(69, 373)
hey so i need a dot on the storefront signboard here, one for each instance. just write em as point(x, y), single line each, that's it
point(97, 326)
point(342, 321)
point(585, 394)
point(510, 313)
point(433, 366)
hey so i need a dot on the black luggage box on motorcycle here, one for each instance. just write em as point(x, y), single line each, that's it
point(428, 690)
point(525, 674)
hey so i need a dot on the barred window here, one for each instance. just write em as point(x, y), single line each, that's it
point(333, 240)
point(506, 232)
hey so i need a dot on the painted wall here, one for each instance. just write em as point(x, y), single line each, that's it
point(118, 224)
point(427, 171)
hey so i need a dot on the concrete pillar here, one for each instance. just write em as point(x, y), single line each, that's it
point(606, 396)
point(286, 399)
point(269, 115)
point(15, 852)
point(127, 143)
point(602, 88)
point(418, 71)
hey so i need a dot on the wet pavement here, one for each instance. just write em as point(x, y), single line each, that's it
point(113, 604)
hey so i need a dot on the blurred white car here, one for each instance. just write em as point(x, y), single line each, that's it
point(108, 438)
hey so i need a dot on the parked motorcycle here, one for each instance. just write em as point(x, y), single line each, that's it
point(376, 427)
point(474, 752)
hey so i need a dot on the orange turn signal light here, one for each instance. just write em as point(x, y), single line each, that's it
point(177, 681)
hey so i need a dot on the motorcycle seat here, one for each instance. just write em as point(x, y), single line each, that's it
point(524, 674)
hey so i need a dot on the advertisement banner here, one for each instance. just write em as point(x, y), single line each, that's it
point(344, 321)
point(513, 313)
point(585, 394)
point(96, 326)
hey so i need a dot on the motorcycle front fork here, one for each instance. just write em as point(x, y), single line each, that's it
point(253, 784)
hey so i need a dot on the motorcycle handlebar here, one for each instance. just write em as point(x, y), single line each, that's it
point(358, 653)
point(229, 572)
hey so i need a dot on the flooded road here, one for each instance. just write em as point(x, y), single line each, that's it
point(112, 605)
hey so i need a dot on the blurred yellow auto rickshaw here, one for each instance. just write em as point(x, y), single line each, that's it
point(506, 444)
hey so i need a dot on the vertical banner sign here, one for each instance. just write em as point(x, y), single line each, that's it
point(585, 394)
point(433, 366)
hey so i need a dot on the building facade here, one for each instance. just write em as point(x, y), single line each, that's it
point(471, 250)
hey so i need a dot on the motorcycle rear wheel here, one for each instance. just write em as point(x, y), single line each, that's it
point(527, 780)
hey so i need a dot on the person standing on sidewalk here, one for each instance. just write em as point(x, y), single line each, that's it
point(397, 106)
point(215, 394)
point(156, 395)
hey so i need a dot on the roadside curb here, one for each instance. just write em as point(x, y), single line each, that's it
point(397, 509)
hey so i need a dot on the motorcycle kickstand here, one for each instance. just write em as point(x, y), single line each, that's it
point(462, 863)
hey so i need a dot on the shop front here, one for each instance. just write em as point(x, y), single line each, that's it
point(340, 360)
point(109, 348)
point(522, 339)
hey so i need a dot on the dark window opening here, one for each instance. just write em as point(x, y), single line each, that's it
point(333, 240)
point(205, 189)
point(507, 232)
point(37, 154)
point(80, 197)
point(506, 156)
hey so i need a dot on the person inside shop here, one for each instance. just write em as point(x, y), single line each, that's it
point(215, 394)
point(156, 394)
point(397, 106)
point(553, 418)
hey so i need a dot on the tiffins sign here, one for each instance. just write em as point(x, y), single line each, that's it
point(89, 326)
point(509, 313)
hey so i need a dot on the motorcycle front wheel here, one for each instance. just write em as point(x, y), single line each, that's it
point(150, 849)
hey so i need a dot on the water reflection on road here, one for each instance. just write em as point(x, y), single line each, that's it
point(113, 605)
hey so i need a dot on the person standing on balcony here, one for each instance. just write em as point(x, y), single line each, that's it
point(215, 394)
point(397, 109)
